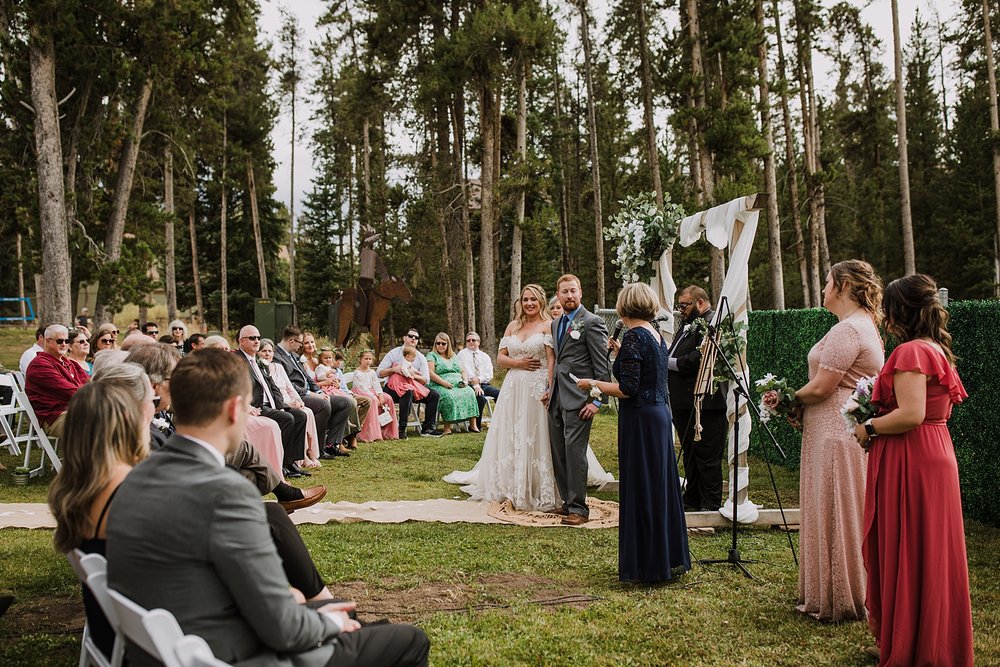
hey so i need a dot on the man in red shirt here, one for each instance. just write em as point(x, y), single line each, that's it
point(52, 379)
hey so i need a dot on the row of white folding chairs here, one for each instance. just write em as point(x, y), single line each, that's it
point(21, 427)
point(154, 631)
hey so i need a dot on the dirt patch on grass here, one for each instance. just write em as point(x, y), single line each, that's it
point(45, 614)
point(391, 600)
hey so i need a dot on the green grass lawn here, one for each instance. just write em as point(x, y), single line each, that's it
point(508, 595)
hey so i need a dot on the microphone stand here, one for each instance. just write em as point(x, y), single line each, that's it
point(740, 390)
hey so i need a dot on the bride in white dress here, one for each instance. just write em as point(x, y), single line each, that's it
point(516, 463)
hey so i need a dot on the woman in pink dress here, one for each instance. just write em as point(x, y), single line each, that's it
point(832, 472)
point(914, 538)
point(366, 383)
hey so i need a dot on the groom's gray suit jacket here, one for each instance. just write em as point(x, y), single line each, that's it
point(585, 357)
point(190, 536)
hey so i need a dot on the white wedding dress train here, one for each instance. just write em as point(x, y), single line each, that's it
point(516, 463)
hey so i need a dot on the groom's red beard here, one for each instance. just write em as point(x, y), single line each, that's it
point(569, 305)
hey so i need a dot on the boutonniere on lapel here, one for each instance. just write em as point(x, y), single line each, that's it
point(161, 424)
point(576, 328)
point(698, 324)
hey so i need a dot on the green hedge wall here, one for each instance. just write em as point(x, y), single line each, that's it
point(779, 341)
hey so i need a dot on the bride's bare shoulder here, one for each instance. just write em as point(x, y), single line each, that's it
point(511, 329)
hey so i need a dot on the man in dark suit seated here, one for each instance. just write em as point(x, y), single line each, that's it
point(159, 361)
point(702, 458)
point(189, 535)
point(268, 402)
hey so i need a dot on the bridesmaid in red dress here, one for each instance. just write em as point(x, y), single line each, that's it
point(914, 541)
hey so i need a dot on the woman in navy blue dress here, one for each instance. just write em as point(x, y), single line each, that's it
point(652, 532)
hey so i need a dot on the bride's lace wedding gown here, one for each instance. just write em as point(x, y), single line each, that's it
point(516, 463)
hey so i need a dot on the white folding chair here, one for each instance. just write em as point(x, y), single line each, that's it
point(348, 380)
point(193, 651)
point(93, 565)
point(156, 632)
point(491, 404)
point(11, 415)
point(27, 430)
point(414, 420)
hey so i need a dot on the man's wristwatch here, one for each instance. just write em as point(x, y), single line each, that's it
point(870, 429)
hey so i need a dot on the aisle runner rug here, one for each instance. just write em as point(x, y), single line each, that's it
point(603, 513)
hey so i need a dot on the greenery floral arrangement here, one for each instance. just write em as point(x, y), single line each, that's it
point(859, 407)
point(777, 397)
point(731, 336)
point(641, 231)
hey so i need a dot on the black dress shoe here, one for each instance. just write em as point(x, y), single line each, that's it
point(289, 473)
point(327, 454)
point(294, 467)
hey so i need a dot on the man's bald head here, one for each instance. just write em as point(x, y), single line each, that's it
point(249, 339)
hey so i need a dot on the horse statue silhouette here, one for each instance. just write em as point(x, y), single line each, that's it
point(367, 303)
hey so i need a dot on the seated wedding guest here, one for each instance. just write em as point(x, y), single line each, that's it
point(262, 433)
point(194, 342)
point(109, 421)
point(329, 378)
point(235, 594)
point(83, 319)
point(478, 367)
point(30, 353)
point(178, 331)
point(166, 338)
point(914, 539)
point(381, 423)
point(310, 353)
point(52, 379)
point(151, 329)
point(392, 364)
point(103, 358)
point(447, 377)
point(332, 412)
point(267, 400)
point(134, 338)
point(104, 338)
point(158, 361)
point(133, 326)
point(292, 398)
point(79, 349)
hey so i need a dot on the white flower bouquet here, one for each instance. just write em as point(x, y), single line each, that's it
point(641, 231)
point(859, 407)
point(776, 397)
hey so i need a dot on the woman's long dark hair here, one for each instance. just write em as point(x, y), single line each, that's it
point(912, 310)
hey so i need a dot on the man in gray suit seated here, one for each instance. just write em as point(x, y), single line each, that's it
point(189, 535)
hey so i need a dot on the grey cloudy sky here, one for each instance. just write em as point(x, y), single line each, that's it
point(875, 12)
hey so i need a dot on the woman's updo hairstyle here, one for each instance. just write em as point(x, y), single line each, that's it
point(912, 310)
point(857, 280)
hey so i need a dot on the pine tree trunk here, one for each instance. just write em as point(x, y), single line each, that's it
point(646, 79)
point(54, 296)
point(292, 286)
point(458, 130)
point(73, 150)
point(255, 219)
point(791, 166)
point(223, 250)
point(770, 177)
point(123, 191)
point(487, 105)
point(442, 228)
point(199, 304)
point(560, 155)
point(595, 166)
point(909, 256)
point(994, 124)
point(522, 152)
point(803, 51)
point(169, 273)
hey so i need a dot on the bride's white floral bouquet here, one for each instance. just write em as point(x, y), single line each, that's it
point(859, 407)
point(641, 231)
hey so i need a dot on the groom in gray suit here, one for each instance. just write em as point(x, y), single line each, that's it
point(189, 535)
point(581, 340)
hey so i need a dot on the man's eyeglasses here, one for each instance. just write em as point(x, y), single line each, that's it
point(683, 305)
point(252, 337)
point(106, 341)
point(153, 332)
point(471, 340)
point(60, 341)
point(412, 336)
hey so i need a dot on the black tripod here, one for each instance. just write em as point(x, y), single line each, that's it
point(740, 382)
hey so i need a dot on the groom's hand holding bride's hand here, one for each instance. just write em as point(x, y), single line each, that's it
point(545, 400)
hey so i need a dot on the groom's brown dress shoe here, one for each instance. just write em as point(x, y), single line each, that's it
point(561, 511)
point(574, 520)
point(309, 497)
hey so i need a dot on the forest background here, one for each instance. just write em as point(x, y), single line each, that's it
point(487, 142)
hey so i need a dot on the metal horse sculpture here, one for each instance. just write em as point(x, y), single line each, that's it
point(367, 307)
